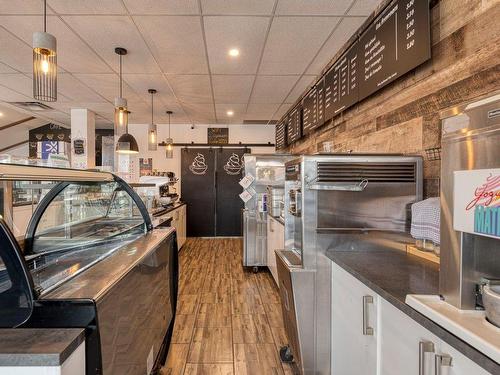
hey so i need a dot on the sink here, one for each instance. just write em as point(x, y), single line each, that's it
point(491, 302)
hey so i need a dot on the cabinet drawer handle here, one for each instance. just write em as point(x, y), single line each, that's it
point(367, 330)
point(423, 347)
point(442, 361)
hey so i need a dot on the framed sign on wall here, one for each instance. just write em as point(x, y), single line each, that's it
point(218, 136)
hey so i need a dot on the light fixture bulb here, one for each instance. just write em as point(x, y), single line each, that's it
point(234, 52)
point(230, 113)
point(1, 114)
point(152, 136)
point(169, 147)
point(44, 66)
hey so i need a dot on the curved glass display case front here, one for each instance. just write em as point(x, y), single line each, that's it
point(78, 224)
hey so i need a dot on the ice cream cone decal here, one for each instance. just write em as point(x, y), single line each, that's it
point(198, 166)
point(233, 165)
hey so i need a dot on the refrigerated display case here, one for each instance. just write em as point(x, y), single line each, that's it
point(91, 259)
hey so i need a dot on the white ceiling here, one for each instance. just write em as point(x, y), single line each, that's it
point(180, 48)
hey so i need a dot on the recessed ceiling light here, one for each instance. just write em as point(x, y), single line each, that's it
point(234, 52)
point(230, 113)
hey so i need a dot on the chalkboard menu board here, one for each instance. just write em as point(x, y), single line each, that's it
point(281, 141)
point(218, 136)
point(341, 83)
point(310, 111)
point(320, 87)
point(294, 125)
point(396, 42)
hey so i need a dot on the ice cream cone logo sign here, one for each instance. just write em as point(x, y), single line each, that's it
point(233, 165)
point(198, 166)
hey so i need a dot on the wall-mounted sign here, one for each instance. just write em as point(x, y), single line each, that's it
point(79, 146)
point(145, 166)
point(476, 207)
point(218, 136)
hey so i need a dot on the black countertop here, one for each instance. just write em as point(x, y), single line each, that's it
point(393, 274)
point(38, 346)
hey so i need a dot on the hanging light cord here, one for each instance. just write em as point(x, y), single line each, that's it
point(152, 108)
point(169, 125)
point(45, 16)
point(120, 76)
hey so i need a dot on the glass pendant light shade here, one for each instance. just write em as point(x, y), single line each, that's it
point(169, 151)
point(152, 129)
point(152, 137)
point(127, 144)
point(121, 116)
point(44, 64)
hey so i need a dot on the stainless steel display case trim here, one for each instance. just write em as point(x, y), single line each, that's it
point(96, 281)
point(17, 172)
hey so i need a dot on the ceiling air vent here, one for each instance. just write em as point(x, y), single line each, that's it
point(373, 172)
point(32, 106)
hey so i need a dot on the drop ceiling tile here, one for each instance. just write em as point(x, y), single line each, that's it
point(363, 7)
point(244, 33)
point(284, 108)
point(246, 7)
point(107, 85)
point(18, 82)
point(104, 33)
point(272, 89)
point(9, 95)
point(238, 112)
point(141, 83)
point(260, 111)
point(200, 113)
point(293, 42)
point(232, 89)
point(176, 42)
point(23, 7)
point(77, 91)
point(72, 53)
point(313, 7)
point(22, 59)
point(158, 7)
point(6, 69)
point(346, 28)
point(302, 85)
point(191, 88)
point(87, 6)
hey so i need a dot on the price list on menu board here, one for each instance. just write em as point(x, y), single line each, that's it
point(341, 83)
point(310, 111)
point(281, 135)
point(396, 42)
point(320, 87)
point(294, 125)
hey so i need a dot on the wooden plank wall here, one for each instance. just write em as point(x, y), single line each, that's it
point(404, 116)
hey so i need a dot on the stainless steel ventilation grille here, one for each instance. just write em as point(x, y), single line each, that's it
point(373, 172)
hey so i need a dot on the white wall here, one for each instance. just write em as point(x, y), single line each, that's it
point(21, 150)
point(182, 133)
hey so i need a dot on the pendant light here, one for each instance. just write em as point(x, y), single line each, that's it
point(44, 63)
point(169, 153)
point(121, 111)
point(152, 129)
point(127, 144)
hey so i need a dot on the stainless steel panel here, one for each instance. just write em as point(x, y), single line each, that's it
point(321, 216)
point(470, 140)
point(268, 170)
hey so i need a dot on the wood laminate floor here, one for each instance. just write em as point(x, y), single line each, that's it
point(228, 319)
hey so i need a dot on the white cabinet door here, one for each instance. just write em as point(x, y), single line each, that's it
point(400, 340)
point(460, 364)
point(354, 325)
point(404, 344)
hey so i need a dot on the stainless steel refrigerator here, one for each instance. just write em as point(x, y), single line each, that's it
point(263, 170)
